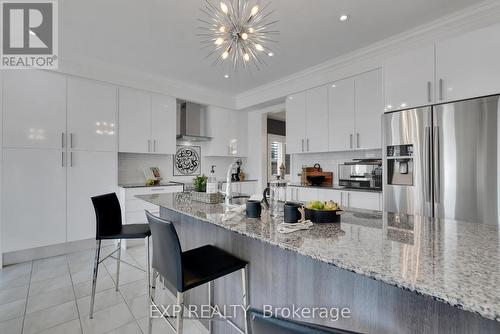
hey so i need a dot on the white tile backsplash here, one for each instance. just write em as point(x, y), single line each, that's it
point(329, 161)
point(131, 167)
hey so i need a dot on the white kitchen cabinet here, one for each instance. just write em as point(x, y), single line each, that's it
point(369, 109)
point(134, 121)
point(361, 200)
point(302, 194)
point(163, 124)
point(89, 174)
point(92, 115)
point(409, 79)
point(468, 66)
point(295, 123)
point(329, 195)
point(34, 109)
point(342, 111)
point(228, 130)
point(147, 122)
point(33, 198)
point(317, 120)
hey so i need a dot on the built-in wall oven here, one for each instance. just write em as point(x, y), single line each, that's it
point(361, 174)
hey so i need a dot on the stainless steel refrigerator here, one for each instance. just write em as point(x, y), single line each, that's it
point(443, 161)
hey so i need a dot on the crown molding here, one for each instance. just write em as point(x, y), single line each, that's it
point(130, 77)
point(373, 56)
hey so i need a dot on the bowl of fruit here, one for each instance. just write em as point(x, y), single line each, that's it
point(323, 212)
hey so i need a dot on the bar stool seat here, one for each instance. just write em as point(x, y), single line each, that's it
point(130, 231)
point(207, 263)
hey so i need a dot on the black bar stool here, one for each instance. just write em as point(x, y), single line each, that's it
point(265, 324)
point(108, 227)
point(189, 269)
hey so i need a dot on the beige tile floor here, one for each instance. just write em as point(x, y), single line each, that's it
point(52, 296)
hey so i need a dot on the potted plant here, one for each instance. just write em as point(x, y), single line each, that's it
point(200, 183)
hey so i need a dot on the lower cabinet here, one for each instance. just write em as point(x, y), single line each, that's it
point(361, 200)
point(133, 208)
point(46, 195)
point(350, 199)
point(89, 174)
point(33, 198)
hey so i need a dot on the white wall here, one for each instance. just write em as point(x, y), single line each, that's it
point(329, 161)
point(131, 166)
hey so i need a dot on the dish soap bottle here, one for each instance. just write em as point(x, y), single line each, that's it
point(212, 186)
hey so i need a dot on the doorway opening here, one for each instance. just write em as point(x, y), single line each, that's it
point(277, 158)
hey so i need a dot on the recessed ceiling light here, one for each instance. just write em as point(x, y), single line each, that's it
point(226, 76)
point(343, 17)
point(334, 86)
point(270, 54)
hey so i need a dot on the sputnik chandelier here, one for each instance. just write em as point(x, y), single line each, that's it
point(237, 32)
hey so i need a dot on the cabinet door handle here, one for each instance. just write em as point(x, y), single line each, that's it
point(154, 145)
point(62, 139)
point(71, 139)
point(62, 159)
point(149, 145)
point(441, 84)
point(357, 139)
point(302, 145)
point(429, 92)
point(307, 144)
point(71, 159)
point(350, 140)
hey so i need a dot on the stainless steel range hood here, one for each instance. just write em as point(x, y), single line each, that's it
point(191, 120)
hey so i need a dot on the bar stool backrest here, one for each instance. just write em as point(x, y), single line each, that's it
point(265, 324)
point(167, 252)
point(108, 215)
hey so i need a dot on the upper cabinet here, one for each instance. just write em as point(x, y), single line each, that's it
point(409, 79)
point(341, 108)
point(34, 109)
point(307, 121)
point(369, 110)
point(92, 116)
point(295, 106)
point(147, 122)
point(228, 130)
point(468, 66)
point(454, 69)
point(163, 124)
point(355, 107)
point(317, 119)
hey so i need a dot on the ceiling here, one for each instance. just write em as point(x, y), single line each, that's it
point(159, 36)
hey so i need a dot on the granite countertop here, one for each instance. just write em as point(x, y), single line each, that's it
point(143, 185)
point(455, 262)
point(335, 188)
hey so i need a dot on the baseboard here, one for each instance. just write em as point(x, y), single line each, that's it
point(49, 251)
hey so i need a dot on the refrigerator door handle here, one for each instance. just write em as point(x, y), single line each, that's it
point(437, 166)
point(427, 164)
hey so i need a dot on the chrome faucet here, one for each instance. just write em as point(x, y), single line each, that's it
point(229, 193)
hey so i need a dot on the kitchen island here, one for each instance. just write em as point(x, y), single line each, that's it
point(395, 274)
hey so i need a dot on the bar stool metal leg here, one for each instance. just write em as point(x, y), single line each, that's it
point(152, 300)
point(211, 304)
point(244, 283)
point(180, 315)
point(94, 278)
point(118, 258)
point(148, 265)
